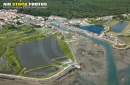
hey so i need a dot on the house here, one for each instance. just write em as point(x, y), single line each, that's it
point(124, 15)
point(54, 30)
point(107, 17)
point(74, 34)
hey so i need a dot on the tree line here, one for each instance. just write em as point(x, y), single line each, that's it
point(77, 8)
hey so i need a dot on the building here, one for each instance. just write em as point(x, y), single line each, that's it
point(76, 65)
point(107, 17)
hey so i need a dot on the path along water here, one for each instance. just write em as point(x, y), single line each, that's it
point(2, 58)
point(111, 67)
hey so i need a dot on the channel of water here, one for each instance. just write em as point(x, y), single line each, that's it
point(111, 67)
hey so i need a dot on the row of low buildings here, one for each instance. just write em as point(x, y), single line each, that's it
point(8, 14)
point(57, 18)
point(12, 17)
point(85, 21)
point(105, 18)
point(79, 21)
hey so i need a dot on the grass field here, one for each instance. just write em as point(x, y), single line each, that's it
point(126, 31)
point(4, 67)
point(111, 23)
point(126, 39)
point(65, 49)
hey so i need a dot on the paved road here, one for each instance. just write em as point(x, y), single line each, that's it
point(72, 51)
point(64, 71)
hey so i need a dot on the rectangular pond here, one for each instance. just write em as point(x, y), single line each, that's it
point(42, 72)
point(119, 27)
point(92, 28)
point(39, 53)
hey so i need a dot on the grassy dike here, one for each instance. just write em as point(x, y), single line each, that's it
point(65, 48)
point(16, 37)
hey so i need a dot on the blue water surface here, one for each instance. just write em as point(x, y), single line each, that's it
point(93, 28)
point(119, 27)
